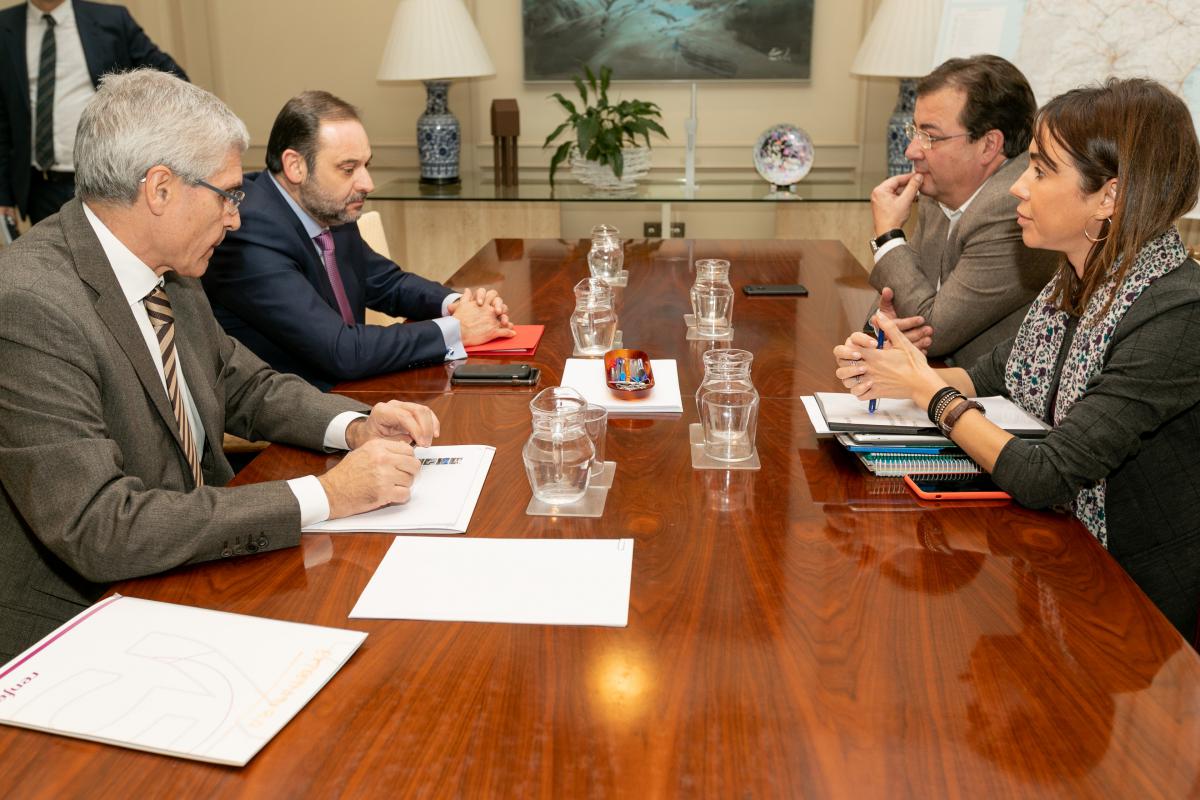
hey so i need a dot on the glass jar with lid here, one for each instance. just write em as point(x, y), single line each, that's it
point(594, 321)
point(727, 403)
point(559, 451)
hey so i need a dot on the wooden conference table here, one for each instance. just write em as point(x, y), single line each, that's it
point(804, 630)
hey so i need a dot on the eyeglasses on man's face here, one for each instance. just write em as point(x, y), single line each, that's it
point(232, 199)
point(926, 140)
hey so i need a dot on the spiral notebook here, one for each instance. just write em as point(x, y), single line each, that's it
point(892, 465)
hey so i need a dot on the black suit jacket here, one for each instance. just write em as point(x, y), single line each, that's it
point(112, 42)
point(268, 288)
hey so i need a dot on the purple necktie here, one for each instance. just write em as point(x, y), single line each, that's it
point(324, 240)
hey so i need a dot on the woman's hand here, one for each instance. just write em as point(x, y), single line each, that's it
point(900, 370)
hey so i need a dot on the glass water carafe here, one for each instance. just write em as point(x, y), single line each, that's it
point(607, 256)
point(727, 403)
point(712, 298)
point(558, 452)
point(593, 322)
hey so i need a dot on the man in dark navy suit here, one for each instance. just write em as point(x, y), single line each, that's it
point(39, 109)
point(293, 284)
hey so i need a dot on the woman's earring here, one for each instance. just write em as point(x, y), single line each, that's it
point(1105, 225)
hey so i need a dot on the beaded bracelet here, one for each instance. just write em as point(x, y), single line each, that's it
point(937, 404)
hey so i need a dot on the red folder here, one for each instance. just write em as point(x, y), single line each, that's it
point(525, 343)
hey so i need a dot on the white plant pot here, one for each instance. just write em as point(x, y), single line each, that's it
point(600, 176)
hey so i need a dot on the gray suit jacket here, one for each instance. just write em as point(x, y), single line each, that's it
point(96, 487)
point(988, 276)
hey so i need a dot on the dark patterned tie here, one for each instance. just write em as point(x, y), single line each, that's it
point(324, 239)
point(158, 307)
point(44, 140)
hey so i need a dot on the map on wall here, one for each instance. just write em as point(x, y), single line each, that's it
point(1068, 43)
point(1063, 44)
point(665, 40)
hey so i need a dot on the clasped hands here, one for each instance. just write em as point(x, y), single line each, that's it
point(380, 467)
point(482, 316)
point(899, 370)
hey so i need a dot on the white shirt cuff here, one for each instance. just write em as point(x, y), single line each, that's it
point(310, 494)
point(452, 334)
point(888, 247)
point(448, 301)
point(335, 434)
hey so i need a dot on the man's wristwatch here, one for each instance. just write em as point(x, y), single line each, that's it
point(882, 239)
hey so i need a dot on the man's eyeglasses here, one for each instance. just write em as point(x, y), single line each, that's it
point(232, 199)
point(927, 141)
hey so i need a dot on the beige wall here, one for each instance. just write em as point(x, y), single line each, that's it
point(257, 53)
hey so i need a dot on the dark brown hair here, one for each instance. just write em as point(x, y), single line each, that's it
point(298, 122)
point(998, 98)
point(1138, 132)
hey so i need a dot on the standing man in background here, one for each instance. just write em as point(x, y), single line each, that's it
point(967, 272)
point(52, 54)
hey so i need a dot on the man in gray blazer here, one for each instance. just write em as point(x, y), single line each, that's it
point(966, 275)
point(117, 382)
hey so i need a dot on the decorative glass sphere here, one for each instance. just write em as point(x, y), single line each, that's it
point(783, 154)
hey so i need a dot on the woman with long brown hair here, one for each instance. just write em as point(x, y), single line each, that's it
point(1109, 353)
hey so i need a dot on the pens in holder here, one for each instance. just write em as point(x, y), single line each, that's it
point(878, 346)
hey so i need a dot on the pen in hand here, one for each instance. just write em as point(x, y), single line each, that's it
point(878, 346)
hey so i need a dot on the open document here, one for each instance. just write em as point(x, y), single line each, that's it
point(443, 495)
point(171, 679)
point(534, 581)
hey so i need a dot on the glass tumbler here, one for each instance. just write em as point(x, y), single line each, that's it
point(558, 454)
point(595, 419)
point(712, 298)
point(727, 403)
point(607, 256)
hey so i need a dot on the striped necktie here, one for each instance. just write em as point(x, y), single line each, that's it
point(44, 139)
point(158, 308)
point(324, 240)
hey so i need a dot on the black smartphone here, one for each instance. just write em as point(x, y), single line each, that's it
point(774, 290)
point(495, 374)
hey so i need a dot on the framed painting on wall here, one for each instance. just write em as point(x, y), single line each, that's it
point(669, 40)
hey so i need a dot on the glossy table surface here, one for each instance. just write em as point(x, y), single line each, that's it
point(805, 630)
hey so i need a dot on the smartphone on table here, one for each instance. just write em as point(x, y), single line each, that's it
point(490, 374)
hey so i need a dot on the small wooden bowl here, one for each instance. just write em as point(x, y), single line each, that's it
point(631, 388)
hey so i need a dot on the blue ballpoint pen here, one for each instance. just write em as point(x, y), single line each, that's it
point(878, 346)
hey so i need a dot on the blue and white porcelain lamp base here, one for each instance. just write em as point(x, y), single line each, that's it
point(438, 137)
point(902, 114)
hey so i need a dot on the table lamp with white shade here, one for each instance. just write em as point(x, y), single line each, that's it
point(433, 41)
point(900, 43)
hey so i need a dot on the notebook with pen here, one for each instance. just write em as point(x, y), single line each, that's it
point(845, 412)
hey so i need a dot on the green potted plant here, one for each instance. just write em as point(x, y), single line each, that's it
point(605, 144)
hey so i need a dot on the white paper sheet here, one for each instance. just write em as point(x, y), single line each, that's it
point(443, 495)
point(820, 427)
point(586, 376)
point(171, 679)
point(532, 581)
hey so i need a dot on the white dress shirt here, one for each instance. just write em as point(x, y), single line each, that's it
point(137, 280)
point(72, 84)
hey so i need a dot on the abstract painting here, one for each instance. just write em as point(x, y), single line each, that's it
point(669, 40)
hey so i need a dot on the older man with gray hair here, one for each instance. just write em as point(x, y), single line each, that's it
point(118, 383)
